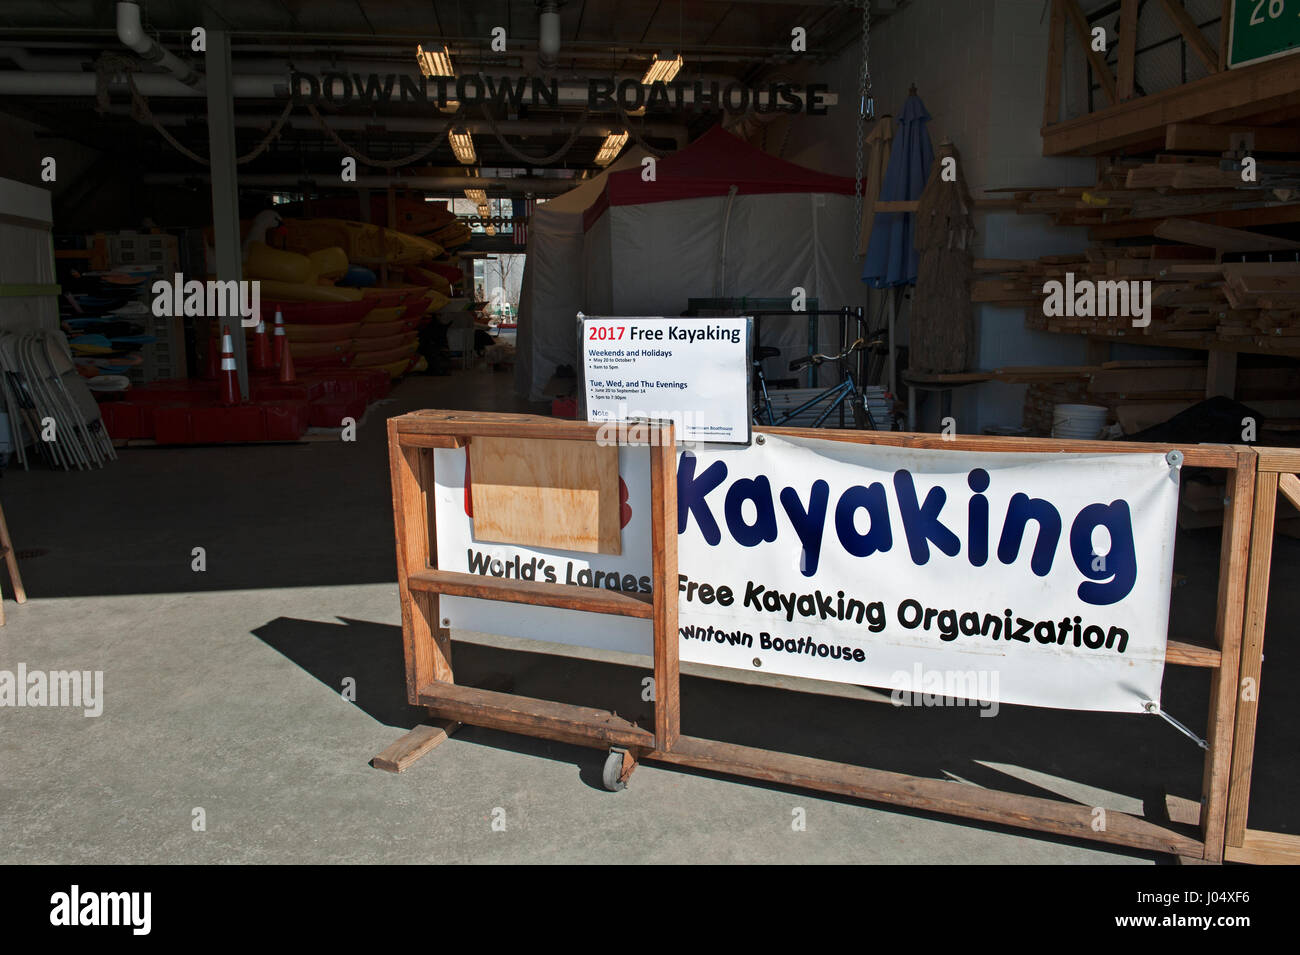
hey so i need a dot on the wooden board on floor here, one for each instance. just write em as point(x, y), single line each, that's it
point(406, 750)
point(549, 493)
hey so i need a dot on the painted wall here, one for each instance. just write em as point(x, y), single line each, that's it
point(980, 68)
point(1011, 155)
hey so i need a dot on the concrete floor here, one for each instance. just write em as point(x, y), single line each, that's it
point(222, 692)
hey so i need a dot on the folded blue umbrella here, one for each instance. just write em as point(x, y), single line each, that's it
point(891, 258)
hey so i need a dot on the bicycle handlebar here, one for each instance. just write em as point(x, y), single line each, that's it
point(858, 345)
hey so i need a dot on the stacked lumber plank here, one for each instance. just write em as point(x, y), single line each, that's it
point(1196, 216)
point(1132, 197)
point(1218, 250)
point(1245, 306)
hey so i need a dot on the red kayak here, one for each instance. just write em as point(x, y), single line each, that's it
point(316, 313)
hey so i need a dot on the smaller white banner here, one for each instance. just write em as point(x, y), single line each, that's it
point(691, 371)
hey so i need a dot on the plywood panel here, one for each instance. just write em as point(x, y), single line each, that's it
point(542, 492)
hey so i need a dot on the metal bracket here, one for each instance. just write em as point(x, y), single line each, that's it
point(1174, 459)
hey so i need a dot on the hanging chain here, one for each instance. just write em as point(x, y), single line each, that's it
point(866, 111)
point(525, 157)
point(109, 65)
point(438, 139)
point(636, 134)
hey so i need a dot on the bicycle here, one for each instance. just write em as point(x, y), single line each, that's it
point(835, 396)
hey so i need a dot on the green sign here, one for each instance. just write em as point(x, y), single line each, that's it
point(1263, 29)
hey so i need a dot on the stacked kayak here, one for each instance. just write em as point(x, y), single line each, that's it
point(104, 320)
point(381, 331)
point(389, 336)
point(326, 280)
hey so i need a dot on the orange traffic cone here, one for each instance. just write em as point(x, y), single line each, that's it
point(279, 338)
point(261, 347)
point(229, 380)
point(286, 366)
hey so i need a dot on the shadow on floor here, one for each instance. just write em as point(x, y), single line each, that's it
point(317, 513)
point(320, 514)
point(1137, 757)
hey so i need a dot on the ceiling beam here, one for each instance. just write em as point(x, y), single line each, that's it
point(1192, 34)
point(1099, 67)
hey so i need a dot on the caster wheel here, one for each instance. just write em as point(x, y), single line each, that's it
point(613, 769)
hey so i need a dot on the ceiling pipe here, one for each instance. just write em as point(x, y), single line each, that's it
point(282, 39)
point(26, 61)
point(405, 124)
point(471, 54)
point(451, 185)
point(22, 83)
point(131, 32)
point(272, 66)
point(548, 33)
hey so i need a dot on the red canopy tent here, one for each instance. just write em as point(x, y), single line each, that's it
point(711, 166)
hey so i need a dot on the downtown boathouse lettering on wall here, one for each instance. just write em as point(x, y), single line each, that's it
point(338, 88)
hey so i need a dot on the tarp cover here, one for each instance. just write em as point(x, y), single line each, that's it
point(711, 166)
point(721, 219)
point(551, 292)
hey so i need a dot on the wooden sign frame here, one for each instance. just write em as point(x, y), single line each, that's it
point(430, 678)
point(1275, 473)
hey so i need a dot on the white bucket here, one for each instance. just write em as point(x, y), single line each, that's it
point(1082, 422)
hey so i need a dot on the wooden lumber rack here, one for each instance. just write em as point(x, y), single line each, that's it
point(1130, 117)
point(431, 684)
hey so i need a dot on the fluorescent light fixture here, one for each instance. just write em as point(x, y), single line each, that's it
point(435, 61)
point(662, 70)
point(483, 211)
point(610, 148)
point(476, 196)
point(462, 144)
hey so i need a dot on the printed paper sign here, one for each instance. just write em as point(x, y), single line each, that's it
point(692, 371)
point(1039, 579)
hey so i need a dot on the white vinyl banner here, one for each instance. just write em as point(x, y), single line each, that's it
point(1038, 579)
point(691, 371)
